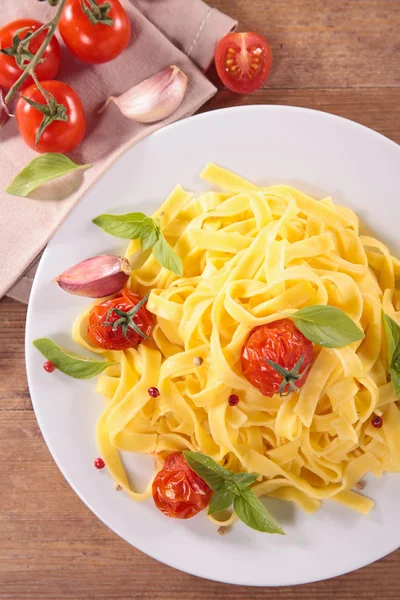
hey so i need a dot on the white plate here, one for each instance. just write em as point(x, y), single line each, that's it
point(317, 152)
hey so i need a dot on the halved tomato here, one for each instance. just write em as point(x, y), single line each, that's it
point(243, 61)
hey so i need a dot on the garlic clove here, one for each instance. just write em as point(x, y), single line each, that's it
point(96, 277)
point(155, 98)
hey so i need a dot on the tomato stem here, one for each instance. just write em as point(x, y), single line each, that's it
point(97, 14)
point(51, 111)
point(17, 50)
point(126, 319)
point(289, 377)
point(29, 69)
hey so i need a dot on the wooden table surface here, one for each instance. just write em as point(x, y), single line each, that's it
point(339, 56)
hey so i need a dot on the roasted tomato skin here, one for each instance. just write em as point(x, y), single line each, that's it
point(102, 335)
point(282, 343)
point(178, 491)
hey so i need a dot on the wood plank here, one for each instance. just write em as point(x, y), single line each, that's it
point(14, 393)
point(53, 547)
point(316, 43)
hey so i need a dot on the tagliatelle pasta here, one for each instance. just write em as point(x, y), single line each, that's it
point(250, 254)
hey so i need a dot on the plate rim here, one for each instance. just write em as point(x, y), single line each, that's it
point(181, 123)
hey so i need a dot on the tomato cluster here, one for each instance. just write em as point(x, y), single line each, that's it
point(50, 114)
point(94, 31)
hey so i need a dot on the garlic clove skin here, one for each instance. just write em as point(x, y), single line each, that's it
point(96, 277)
point(155, 98)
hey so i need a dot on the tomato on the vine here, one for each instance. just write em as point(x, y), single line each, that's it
point(60, 135)
point(178, 491)
point(276, 358)
point(120, 323)
point(243, 61)
point(95, 31)
point(10, 72)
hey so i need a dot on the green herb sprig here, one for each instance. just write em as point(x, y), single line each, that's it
point(137, 225)
point(230, 488)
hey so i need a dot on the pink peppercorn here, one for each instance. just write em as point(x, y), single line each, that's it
point(377, 422)
point(99, 463)
point(153, 392)
point(48, 366)
point(233, 400)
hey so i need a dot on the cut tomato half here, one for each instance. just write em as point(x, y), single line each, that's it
point(243, 61)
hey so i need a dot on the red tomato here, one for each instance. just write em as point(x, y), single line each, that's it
point(97, 43)
point(59, 136)
point(102, 331)
point(282, 343)
point(243, 61)
point(178, 491)
point(10, 71)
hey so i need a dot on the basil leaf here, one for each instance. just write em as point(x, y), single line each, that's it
point(221, 499)
point(149, 235)
point(243, 480)
point(395, 377)
point(206, 468)
point(327, 326)
point(42, 169)
point(128, 227)
point(392, 333)
point(69, 363)
point(253, 513)
point(167, 257)
point(137, 225)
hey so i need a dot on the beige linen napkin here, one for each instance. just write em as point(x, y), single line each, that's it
point(165, 32)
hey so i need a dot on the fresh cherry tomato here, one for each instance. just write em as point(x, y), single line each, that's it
point(283, 344)
point(243, 61)
point(178, 491)
point(46, 69)
point(105, 333)
point(99, 42)
point(59, 136)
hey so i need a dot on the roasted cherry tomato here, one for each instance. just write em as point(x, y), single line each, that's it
point(59, 136)
point(243, 61)
point(9, 69)
point(94, 33)
point(178, 491)
point(285, 346)
point(115, 324)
